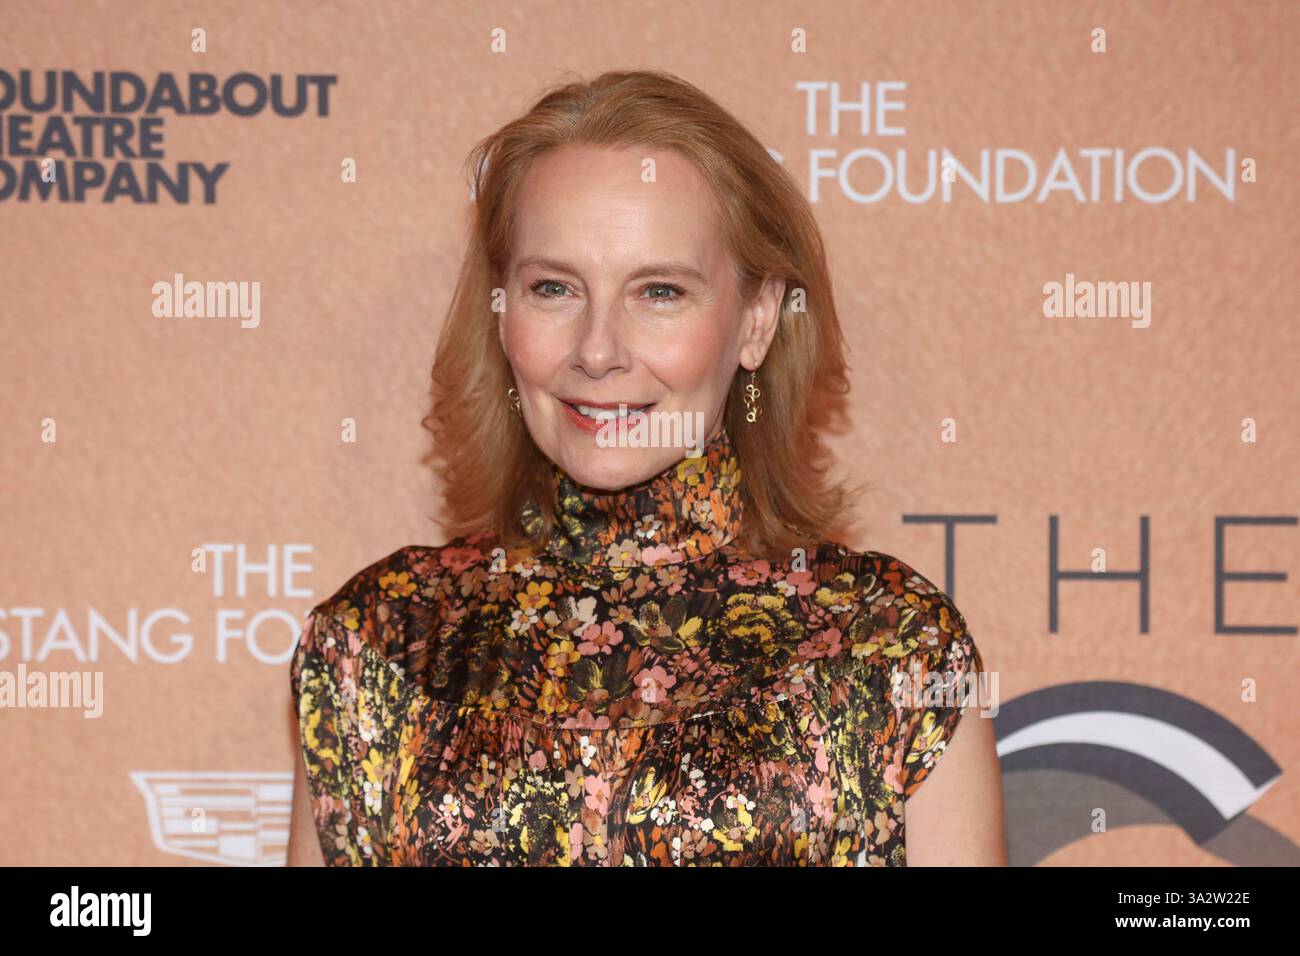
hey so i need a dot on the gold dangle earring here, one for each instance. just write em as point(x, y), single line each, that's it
point(753, 411)
point(513, 395)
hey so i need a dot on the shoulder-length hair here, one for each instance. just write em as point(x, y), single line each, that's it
point(488, 464)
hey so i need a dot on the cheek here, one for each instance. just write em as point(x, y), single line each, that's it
point(533, 350)
point(695, 361)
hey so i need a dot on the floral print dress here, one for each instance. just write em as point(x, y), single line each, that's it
point(637, 692)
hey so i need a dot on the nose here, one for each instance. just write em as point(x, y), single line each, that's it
point(601, 343)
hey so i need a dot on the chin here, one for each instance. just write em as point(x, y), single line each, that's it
point(611, 469)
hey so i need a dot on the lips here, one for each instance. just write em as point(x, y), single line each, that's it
point(602, 410)
point(593, 416)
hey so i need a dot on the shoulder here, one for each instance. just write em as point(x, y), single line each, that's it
point(911, 633)
point(891, 576)
point(900, 612)
point(394, 601)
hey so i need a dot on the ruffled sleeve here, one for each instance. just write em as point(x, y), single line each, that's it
point(934, 678)
point(348, 704)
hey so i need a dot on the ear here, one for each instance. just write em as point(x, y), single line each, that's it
point(760, 320)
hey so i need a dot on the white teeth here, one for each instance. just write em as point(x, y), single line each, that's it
point(604, 414)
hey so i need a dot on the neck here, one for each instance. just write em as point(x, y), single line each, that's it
point(689, 510)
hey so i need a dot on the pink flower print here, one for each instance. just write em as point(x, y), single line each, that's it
point(600, 638)
point(820, 760)
point(822, 644)
point(458, 559)
point(672, 577)
point(750, 573)
point(597, 788)
point(654, 683)
point(798, 582)
point(821, 799)
point(586, 720)
point(427, 561)
point(575, 840)
point(660, 553)
point(894, 772)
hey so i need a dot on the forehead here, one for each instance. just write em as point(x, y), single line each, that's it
point(590, 204)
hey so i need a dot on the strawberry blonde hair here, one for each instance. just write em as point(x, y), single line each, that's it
point(488, 463)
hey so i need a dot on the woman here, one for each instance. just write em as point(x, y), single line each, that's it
point(638, 652)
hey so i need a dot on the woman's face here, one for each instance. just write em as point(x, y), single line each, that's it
point(622, 291)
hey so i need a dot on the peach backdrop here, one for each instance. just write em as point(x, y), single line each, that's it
point(175, 433)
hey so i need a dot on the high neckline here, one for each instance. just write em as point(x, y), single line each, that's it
point(687, 511)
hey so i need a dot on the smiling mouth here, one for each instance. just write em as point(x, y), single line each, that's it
point(606, 412)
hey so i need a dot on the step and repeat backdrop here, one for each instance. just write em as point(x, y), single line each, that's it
point(1064, 244)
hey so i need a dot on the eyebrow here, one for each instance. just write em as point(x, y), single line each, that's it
point(655, 268)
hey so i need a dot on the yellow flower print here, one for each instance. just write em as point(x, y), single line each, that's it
point(314, 745)
point(667, 629)
point(743, 832)
point(397, 584)
point(560, 654)
point(366, 725)
point(372, 764)
point(838, 595)
point(864, 635)
point(904, 642)
point(536, 596)
point(758, 621)
point(690, 470)
point(840, 857)
point(406, 764)
point(410, 795)
point(801, 847)
point(551, 699)
point(646, 799)
point(728, 471)
point(927, 736)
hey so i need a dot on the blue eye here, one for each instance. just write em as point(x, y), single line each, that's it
point(537, 287)
point(676, 290)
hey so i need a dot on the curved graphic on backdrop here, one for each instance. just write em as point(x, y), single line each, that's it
point(1143, 754)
